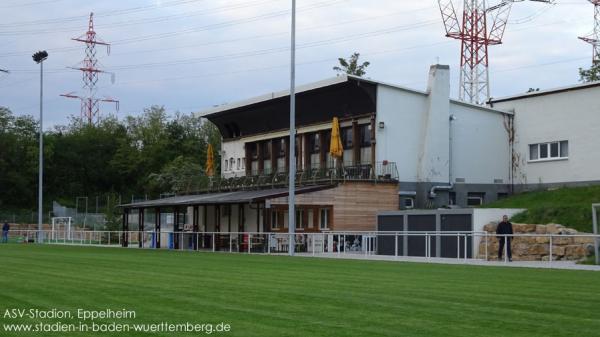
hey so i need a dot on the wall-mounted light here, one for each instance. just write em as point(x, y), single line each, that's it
point(381, 125)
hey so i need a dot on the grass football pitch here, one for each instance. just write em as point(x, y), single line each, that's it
point(282, 296)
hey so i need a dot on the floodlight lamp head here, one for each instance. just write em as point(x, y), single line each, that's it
point(40, 56)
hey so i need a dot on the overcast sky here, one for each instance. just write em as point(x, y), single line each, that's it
point(189, 55)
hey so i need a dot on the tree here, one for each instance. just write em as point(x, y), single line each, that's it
point(592, 74)
point(182, 175)
point(351, 66)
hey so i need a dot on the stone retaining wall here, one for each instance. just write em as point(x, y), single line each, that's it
point(565, 246)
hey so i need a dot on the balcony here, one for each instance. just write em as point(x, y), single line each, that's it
point(384, 172)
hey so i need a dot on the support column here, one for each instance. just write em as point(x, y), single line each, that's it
point(287, 154)
point(229, 211)
point(157, 227)
point(322, 150)
point(140, 227)
point(176, 228)
point(125, 236)
point(260, 156)
point(373, 143)
point(258, 217)
point(248, 158)
point(195, 221)
point(274, 155)
point(306, 152)
point(355, 143)
point(205, 220)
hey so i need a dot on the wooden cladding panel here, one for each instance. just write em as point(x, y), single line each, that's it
point(355, 204)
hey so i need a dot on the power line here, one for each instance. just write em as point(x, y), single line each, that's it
point(220, 25)
point(111, 13)
point(115, 25)
point(344, 38)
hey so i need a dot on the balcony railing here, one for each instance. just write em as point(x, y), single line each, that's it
point(381, 172)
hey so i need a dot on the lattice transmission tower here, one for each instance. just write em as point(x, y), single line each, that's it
point(89, 67)
point(594, 37)
point(480, 27)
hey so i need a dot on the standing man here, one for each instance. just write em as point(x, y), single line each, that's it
point(5, 229)
point(504, 231)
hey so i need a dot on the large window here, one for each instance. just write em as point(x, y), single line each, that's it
point(314, 143)
point(277, 220)
point(365, 135)
point(324, 219)
point(347, 136)
point(300, 224)
point(281, 148)
point(549, 151)
point(266, 150)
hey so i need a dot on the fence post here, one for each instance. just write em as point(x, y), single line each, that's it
point(458, 246)
point(466, 247)
point(427, 245)
point(269, 243)
point(505, 248)
point(313, 244)
point(486, 247)
point(213, 241)
point(396, 245)
point(249, 243)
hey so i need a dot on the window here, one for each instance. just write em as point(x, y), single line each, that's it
point(244, 163)
point(409, 203)
point(266, 150)
point(300, 219)
point(231, 162)
point(549, 151)
point(315, 143)
point(310, 219)
point(281, 148)
point(347, 136)
point(475, 198)
point(238, 163)
point(226, 164)
point(327, 140)
point(276, 219)
point(365, 135)
point(324, 219)
point(253, 150)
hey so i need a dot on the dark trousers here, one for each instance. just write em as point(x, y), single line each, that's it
point(501, 248)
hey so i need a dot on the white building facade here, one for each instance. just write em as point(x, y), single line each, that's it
point(445, 151)
point(557, 136)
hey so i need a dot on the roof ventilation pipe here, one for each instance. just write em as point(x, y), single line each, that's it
point(450, 185)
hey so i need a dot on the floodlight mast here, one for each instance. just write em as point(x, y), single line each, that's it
point(39, 58)
point(292, 165)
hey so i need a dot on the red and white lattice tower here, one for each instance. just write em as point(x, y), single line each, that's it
point(481, 26)
point(90, 104)
point(594, 37)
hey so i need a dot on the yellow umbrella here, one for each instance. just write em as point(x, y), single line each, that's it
point(210, 161)
point(335, 148)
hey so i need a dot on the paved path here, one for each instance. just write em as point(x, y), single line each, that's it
point(568, 265)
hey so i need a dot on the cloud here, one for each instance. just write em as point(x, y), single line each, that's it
point(192, 54)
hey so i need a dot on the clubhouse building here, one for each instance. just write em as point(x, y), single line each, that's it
point(402, 149)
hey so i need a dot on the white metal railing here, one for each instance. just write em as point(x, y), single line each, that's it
point(424, 244)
